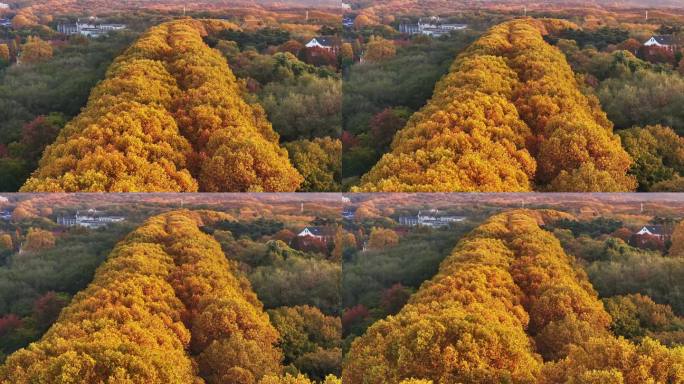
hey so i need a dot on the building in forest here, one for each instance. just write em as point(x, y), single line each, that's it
point(430, 218)
point(432, 27)
point(662, 41)
point(655, 231)
point(652, 237)
point(93, 219)
point(324, 42)
point(92, 29)
point(323, 234)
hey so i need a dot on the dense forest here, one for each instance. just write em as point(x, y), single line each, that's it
point(300, 90)
point(45, 262)
point(36, 100)
point(535, 129)
point(543, 278)
point(176, 310)
point(637, 85)
point(509, 304)
point(640, 90)
point(379, 97)
point(175, 121)
point(40, 280)
point(270, 76)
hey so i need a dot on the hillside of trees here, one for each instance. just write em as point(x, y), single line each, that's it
point(167, 307)
point(44, 264)
point(379, 97)
point(510, 305)
point(298, 87)
point(640, 282)
point(170, 116)
point(300, 90)
point(640, 89)
point(509, 116)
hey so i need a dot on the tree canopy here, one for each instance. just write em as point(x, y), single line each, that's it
point(166, 307)
point(169, 116)
point(509, 116)
point(508, 305)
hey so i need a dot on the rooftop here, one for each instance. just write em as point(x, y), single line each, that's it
point(664, 39)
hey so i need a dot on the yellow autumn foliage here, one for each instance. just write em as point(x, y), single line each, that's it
point(166, 307)
point(508, 117)
point(299, 379)
point(508, 305)
point(169, 117)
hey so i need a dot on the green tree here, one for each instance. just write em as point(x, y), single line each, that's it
point(319, 161)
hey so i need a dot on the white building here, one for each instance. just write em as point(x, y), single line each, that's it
point(431, 218)
point(327, 43)
point(4, 6)
point(89, 29)
point(662, 41)
point(653, 230)
point(92, 220)
point(324, 234)
point(432, 27)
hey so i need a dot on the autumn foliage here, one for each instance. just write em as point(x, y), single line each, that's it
point(509, 116)
point(37, 239)
point(168, 117)
point(166, 307)
point(507, 306)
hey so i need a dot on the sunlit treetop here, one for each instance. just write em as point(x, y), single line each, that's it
point(170, 117)
point(508, 305)
point(166, 307)
point(509, 116)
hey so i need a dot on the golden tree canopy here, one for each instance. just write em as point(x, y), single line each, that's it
point(509, 117)
point(169, 117)
point(38, 239)
point(508, 305)
point(166, 307)
point(35, 50)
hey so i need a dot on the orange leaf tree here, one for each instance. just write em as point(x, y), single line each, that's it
point(168, 117)
point(509, 116)
point(166, 307)
point(508, 305)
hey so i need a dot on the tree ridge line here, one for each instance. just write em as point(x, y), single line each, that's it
point(508, 305)
point(508, 117)
point(166, 307)
point(170, 117)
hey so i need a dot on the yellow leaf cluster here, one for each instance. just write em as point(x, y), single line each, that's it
point(509, 116)
point(168, 117)
point(381, 238)
point(508, 305)
point(37, 239)
point(35, 50)
point(166, 307)
point(6, 242)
